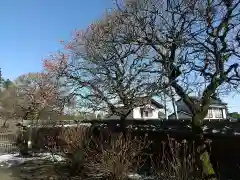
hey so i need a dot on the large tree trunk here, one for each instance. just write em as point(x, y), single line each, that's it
point(123, 125)
point(203, 155)
point(22, 144)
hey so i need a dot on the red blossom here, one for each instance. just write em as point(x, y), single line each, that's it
point(55, 63)
point(68, 46)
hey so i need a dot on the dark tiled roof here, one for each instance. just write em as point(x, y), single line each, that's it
point(146, 100)
point(181, 115)
point(157, 104)
point(215, 101)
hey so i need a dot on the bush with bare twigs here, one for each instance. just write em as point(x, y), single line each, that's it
point(97, 157)
point(75, 148)
point(176, 162)
point(72, 145)
point(115, 158)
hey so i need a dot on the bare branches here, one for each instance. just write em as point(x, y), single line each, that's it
point(189, 39)
point(151, 45)
point(143, 46)
point(105, 74)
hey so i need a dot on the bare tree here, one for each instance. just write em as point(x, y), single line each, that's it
point(195, 45)
point(105, 75)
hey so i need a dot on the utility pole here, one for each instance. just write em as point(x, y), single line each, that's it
point(173, 103)
point(165, 104)
point(1, 86)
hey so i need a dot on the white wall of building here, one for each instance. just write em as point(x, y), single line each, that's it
point(224, 114)
point(215, 111)
point(152, 115)
point(136, 113)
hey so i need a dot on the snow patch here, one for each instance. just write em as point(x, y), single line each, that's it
point(10, 160)
point(134, 176)
point(215, 131)
point(236, 133)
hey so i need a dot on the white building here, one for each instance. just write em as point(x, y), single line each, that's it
point(151, 110)
point(217, 110)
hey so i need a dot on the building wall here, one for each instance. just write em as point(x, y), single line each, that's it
point(155, 112)
point(136, 113)
point(215, 111)
point(224, 114)
point(181, 106)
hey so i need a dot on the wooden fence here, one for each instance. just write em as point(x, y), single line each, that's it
point(8, 142)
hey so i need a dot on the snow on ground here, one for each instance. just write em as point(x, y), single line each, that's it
point(13, 160)
point(10, 160)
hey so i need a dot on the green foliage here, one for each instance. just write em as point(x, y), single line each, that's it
point(7, 83)
point(234, 115)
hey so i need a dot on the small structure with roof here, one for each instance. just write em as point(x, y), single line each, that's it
point(217, 110)
point(151, 109)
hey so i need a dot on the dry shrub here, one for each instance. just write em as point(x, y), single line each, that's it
point(73, 147)
point(115, 158)
point(74, 139)
point(176, 162)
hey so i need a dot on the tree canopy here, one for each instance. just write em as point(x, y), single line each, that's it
point(33, 96)
point(107, 77)
point(143, 46)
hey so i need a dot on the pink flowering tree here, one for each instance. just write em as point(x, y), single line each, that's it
point(38, 97)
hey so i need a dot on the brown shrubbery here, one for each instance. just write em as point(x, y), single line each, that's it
point(115, 157)
point(74, 147)
point(177, 161)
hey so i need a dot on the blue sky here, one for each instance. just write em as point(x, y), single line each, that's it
point(32, 29)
